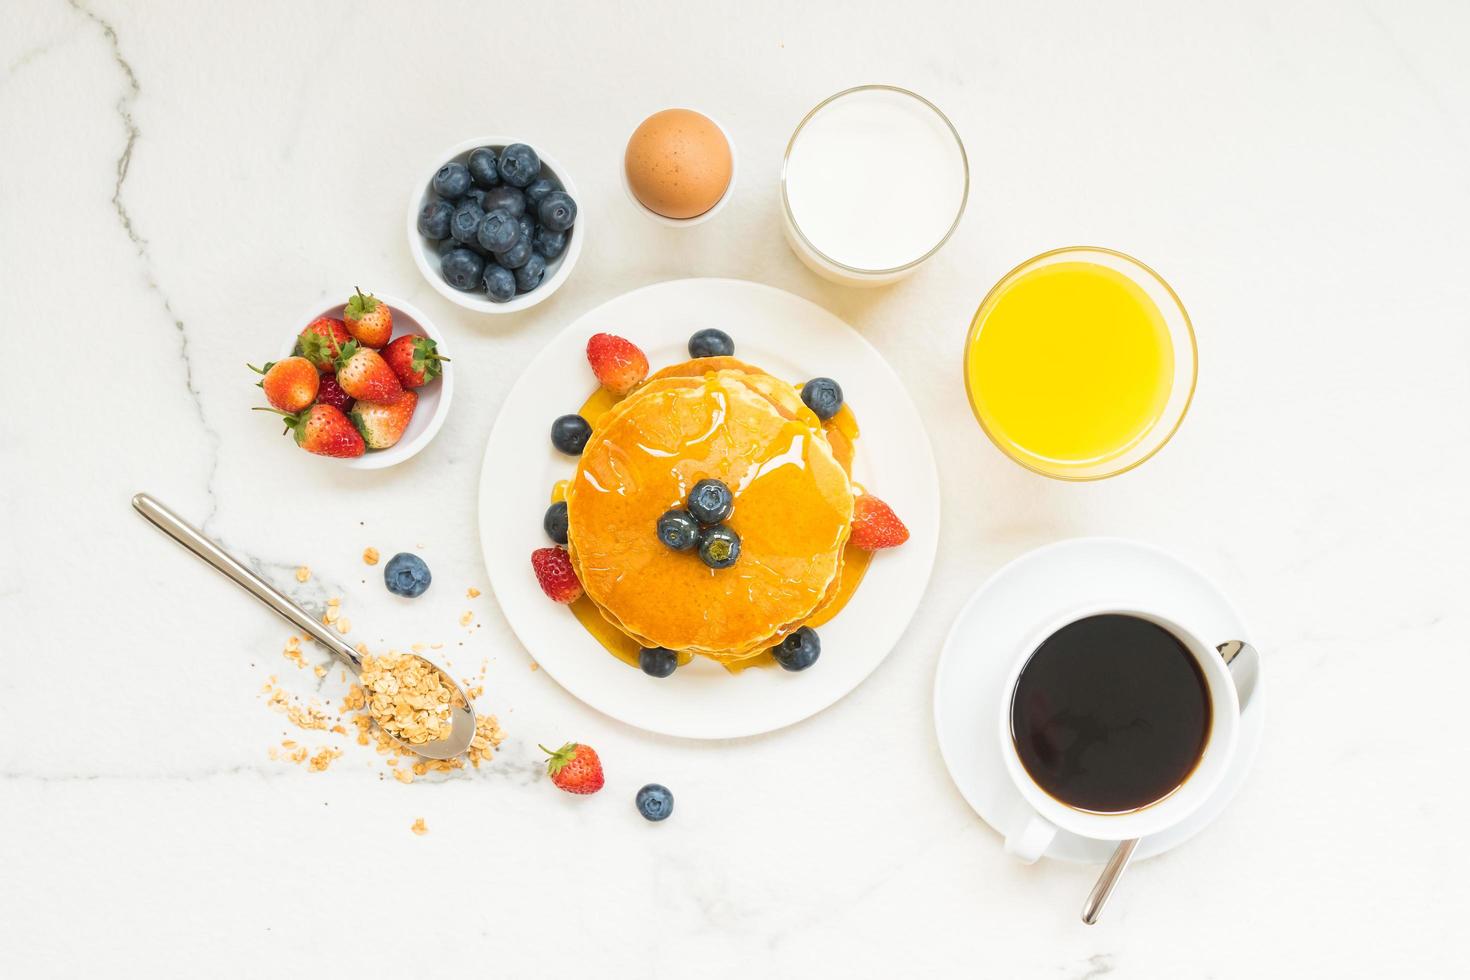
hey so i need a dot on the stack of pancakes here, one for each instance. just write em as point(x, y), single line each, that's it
point(711, 418)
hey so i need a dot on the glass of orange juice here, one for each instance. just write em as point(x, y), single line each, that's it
point(1080, 363)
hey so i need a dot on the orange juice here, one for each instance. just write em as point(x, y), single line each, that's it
point(1070, 365)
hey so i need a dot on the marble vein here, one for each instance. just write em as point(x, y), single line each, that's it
point(121, 167)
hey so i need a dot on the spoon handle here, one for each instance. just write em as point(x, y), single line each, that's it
point(190, 537)
point(1111, 872)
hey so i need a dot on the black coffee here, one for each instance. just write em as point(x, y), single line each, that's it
point(1110, 714)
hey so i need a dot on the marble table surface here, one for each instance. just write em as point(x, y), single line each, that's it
point(179, 182)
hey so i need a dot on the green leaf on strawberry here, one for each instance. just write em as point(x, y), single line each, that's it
point(316, 349)
point(360, 305)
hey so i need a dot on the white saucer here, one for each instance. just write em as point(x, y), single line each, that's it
point(1022, 598)
point(793, 339)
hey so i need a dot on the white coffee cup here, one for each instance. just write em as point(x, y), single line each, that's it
point(1033, 826)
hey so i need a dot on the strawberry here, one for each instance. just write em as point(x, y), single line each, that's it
point(554, 571)
point(414, 359)
point(618, 363)
point(382, 423)
point(369, 320)
point(875, 525)
point(574, 768)
point(322, 341)
point(362, 373)
point(290, 384)
point(331, 393)
point(323, 430)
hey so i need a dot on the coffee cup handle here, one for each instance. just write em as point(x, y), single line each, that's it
point(1031, 837)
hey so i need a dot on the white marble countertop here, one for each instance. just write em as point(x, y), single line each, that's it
point(179, 182)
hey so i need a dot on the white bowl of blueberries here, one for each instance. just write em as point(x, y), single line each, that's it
point(495, 226)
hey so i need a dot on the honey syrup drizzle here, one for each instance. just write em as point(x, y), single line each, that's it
point(842, 434)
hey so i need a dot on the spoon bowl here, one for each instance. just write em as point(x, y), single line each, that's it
point(462, 719)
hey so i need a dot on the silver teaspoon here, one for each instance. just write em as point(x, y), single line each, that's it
point(462, 719)
point(1244, 663)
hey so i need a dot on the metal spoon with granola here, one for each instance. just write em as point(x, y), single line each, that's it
point(415, 702)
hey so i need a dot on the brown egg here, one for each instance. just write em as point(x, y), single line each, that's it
point(678, 163)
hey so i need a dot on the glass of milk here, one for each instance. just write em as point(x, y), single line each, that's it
point(874, 182)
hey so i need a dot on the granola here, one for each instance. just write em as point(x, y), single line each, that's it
point(408, 697)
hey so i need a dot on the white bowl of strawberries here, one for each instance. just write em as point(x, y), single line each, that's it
point(366, 382)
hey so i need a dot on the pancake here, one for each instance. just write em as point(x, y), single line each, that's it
point(723, 419)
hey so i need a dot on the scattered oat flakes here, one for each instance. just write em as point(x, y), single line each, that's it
point(308, 717)
point(488, 735)
point(473, 592)
point(344, 624)
point(370, 556)
point(535, 665)
point(319, 670)
point(323, 759)
point(467, 618)
point(419, 827)
point(303, 573)
point(403, 775)
point(330, 616)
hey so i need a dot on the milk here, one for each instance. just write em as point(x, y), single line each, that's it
point(875, 180)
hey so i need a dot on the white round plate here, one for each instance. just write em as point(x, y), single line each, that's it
point(1021, 599)
point(434, 397)
point(791, 338)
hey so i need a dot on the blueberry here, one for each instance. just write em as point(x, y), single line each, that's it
point(462, 268)
point(452, 180)
point(448, 245)
point(711, 343)
point(536, 190)
point(655, 802)
point(719, 546)
point(407, 575)
point(509, 198)
point(569, 434)
point(657, 662)
point(528, 276)
point(517, 255)
point(500, 283)
point(498, 231)
point(549, 243)
point(799, 650)
point(434, 219)
point(482, 167)
point(557, 211)
point(677, 529)
point(465, 222)
point(711, 502)
point(476, 194)
point(555, 522)
point(518, 165)
point(823, 396)
point(528, 226)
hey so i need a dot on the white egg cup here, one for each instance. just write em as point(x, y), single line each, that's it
point(698, 219)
